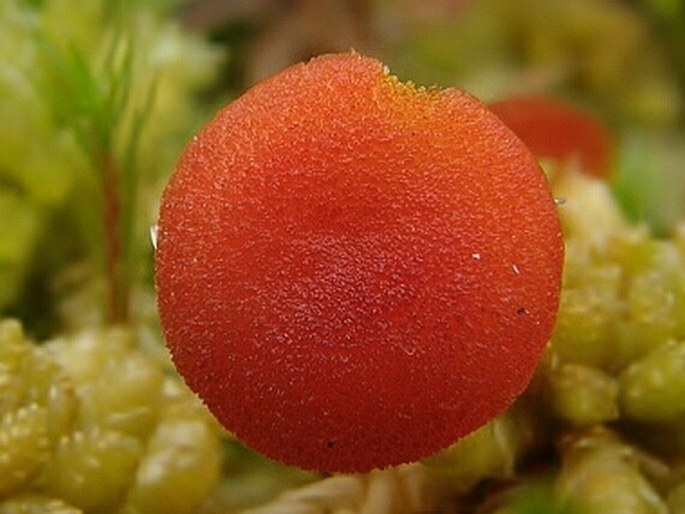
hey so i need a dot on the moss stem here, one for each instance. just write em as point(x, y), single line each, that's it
point(117, 308)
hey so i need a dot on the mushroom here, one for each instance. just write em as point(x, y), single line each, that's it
point(355, 272)
point(554, 129)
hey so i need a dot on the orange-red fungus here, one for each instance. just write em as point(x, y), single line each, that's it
point(554, 129)
point(354, 272)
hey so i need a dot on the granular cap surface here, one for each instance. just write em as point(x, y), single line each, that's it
point(353, 272)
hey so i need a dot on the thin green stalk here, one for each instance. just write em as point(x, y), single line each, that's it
point(94, 101)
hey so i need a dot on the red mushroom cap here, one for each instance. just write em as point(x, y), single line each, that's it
point(551, 128)
point(353, 272)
